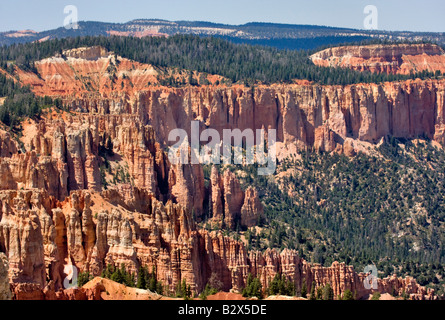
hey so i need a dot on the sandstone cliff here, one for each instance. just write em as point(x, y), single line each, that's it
point(390, 59)
point(90, 231)
point(230, 205)
point(5, 291)
point(303, 114)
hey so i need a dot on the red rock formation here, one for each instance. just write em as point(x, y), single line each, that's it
point(324, 139)
point(233, 199)
point(32, 291)
point(216, 191)
point(390, 59)
point(8, 147)
point(252, 208)
point(164, 237)
point(230, 204)
point(63, 216)
point(303, 114)
point(5, 291)
point(363, 112)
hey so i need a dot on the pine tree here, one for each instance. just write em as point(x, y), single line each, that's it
point(313, 296)
point(304, 290)
point(141, 284)
point(83, 278)
point(320, 293)
point(376, 296)
point(328, 293)
point(253, 287)
point(347, 295)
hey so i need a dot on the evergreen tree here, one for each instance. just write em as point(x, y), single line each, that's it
point(328, 292)
point(320, 293)
point(376, 296)
point(141, 284)
point(253, 287)
point(83, 278)
point(304, 290)
point(313, 295)
point(347, 295)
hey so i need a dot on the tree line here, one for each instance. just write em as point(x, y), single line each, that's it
point(241, 63)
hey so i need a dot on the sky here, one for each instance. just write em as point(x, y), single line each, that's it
point(394, 15)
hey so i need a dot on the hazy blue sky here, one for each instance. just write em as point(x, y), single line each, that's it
point(412, 15)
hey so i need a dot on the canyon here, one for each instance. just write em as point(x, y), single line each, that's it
point(62, 205)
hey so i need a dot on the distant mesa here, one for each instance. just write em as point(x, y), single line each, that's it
point(389, 59)
point(21, 34)
point(151, 32)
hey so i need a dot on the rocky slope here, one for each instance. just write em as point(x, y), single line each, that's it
point(93, 186)
point(95, 72)
point(391, 59)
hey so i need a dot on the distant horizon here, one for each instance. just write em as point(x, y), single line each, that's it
point(223, 24)
point(395, 16)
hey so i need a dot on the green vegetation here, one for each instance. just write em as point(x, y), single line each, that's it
point(327, 292)
point(145, 280)
point(280, 285)
point(208, 290)
point(213, 286)
point(253, 287)
point(313, 296)
point(303, 290)
point(385, 210)
point(119, 275)
point(238, 62)
point(111, 167)
point(83, 278)
point(20, 102)
point(348, 295)
point(183, 290)
point(376, 296)
point(284, 36)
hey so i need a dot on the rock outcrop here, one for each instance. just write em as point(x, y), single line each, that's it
point(8, 146)
point(5, 291)
point(89, 232)
point(390, 59)
point(252, 209)
point(230, 205)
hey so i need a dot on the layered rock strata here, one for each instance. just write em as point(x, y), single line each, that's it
point(389, 59)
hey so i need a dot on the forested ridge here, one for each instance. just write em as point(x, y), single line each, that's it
point(237, 62)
